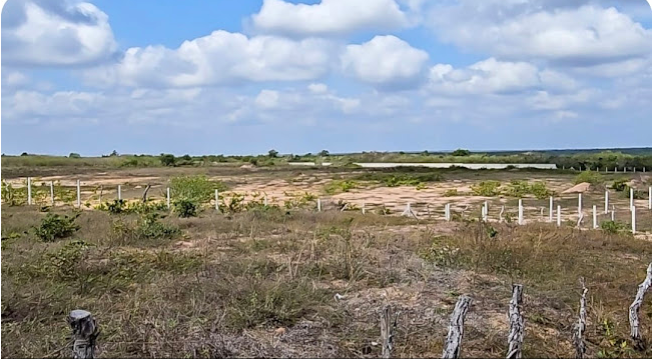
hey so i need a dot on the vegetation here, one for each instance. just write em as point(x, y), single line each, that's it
point(197, 189)
point(461, 153)
point(339, 186)
point(486, 189)
point(185, 208)
point(54, 226)
point(521, 189)
point(593, 178)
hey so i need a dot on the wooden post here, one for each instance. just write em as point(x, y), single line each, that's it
point(558, 216)
point(595, 217)
point(500, 215)
point(85, 332)
point(78, 195)
point(145, 193)
point(551, 210)
point(217, 200)
point(456, 329)
point(520, 211)
point(167, 195)
point(119, 192)
point(52, 193)
point(606, 202)
point(516, 324)
point(29, 191)
point(636, 306)
point(633, 220)
point(580, 327)
point(387, 325)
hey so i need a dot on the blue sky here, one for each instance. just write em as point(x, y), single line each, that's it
point(237, 77)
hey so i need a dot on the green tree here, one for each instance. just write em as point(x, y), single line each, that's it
point(461, 153)
point(74, 155)
point(324, 153)
point(167, 159)
point(272, 153)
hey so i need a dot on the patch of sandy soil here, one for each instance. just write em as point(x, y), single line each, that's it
point(579, 188)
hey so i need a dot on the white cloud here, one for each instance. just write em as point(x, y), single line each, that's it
point(328, 17)
point(318, 88)
point(583, 36)
point(219, 58)
point(267, 99)
point(385, 61)
point(58, 33)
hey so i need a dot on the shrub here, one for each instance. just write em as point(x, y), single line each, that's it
point(612, 227)
point(116, 207)
point(620, 185)
point(167, 160)
point(523, 188)
point(451, 192)
point(66, 261)
point(185, 208)
point(54, 226)
point(461, 153)
point(235, 204)
point(588, 177)
point(197, 189)
point(272, 153)
point(150, 227)
point(540, 190)
point(486, 188)
point(74, 155)
point(337, 186)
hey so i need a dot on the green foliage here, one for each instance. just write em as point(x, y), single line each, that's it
point(54, 226)
point(593, 178)
point(12, 196)
point(613, 227)
point(339, 186)
point(301, 200)
point(400, 179)
point(461, 153)
point(486, 188)
point(523, 188)
point(120, 206)
point(74, 155)
point(451, 192)
point(150, 227)
point(66, 260)
point(185, 208)
point(198, 189)
point(620, 185)
point(272, 154)
point(167, 160)
point(233, 203)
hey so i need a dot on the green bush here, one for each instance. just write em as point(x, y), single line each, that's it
point(461, 153)
point(168, 160)
point(198, 189)
point(523, 188)
point(451, 192)
point(150, 227)
point(54, 226)
point(588, 177)
point(620, 185)
point(185, 208)
point(486, 188)
point(66, 261)
point(613, 227)
point(338, 186)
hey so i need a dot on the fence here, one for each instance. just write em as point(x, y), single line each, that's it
point(85, 329)
point(557, 210)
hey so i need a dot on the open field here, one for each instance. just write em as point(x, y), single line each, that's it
point(259, 279)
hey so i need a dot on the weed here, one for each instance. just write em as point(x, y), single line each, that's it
point(198, 189)
point(591, 177)
point(185, 208)
point(54, 226)
point(451, 192)
point(486, 188)
point(613, 227)
point(338, 186)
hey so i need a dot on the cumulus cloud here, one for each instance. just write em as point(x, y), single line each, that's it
point(385, 61)
point(570, 36)
point(55, 33)
point(328, 17)
point(219, 58)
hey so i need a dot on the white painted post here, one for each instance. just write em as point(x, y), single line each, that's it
point(168, 197)
point(551, 209)
point(634, 169)
point(318, 204)
point(485, 211)
point(266, 203)
point(606, 202)
point(119, 192)
point(447, 212)
point(520, 211)
point(364, 210)
point(649, 198)
point(633, 220)
point(29, 191)
point(624, 169)
point(558, 216)
point(217, 200)
point(616, 169)
point(579, 204)
point(78, 195)
point(631, 199)
point(613, 214)
point(52, 193)
point(595, 217)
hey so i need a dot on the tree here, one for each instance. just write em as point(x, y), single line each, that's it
point(114, 154)
point(74, 155)
point(186, 158)
point(24, 154)
point(167, 160)
point(324, 153)
point(272, 153)
point(461, 153)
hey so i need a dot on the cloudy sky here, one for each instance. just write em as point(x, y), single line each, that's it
point(226, 76)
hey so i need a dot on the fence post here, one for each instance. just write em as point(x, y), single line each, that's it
point(78, 195)
point(456, 329)
point(558, 216)
point(217, 200)
point(447, 212)
point(551, 209)
point(631, 199)
point(520, 211)
point(636, 306)
point(318, 204)
point(29, 191)
point(579, 204)
point(613, 213)
point(516, 325)
point(578, 336)
point(145, 193)
point(52, 193)
point(633, 220)
point(265, 202)
point(119, 192)
point(167, 197)
point(387, 324)
point(606, 202)
point(364, 210)
point(500, 215)
point(595, 217)
point(85, 331)
point(649, 198)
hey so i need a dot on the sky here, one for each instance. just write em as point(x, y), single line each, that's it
point(247, 76)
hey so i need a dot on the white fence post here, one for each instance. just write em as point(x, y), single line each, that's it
point(265, 202)
point(579, 204)
point(78, 195)
point(631, 199)
point(649, 199)
point(595, 217)
point(558, 216)
point(364, 210)
point(318, 204)
point(551, 209)
point(119, 192)
point(52, 193)
point(29, 191)
point(217, 200)
point(633, 220)
point(520, 211)
point(606, 202)
point(447, 212)
point(167, 197)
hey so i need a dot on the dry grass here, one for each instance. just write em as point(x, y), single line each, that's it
point(225, 286)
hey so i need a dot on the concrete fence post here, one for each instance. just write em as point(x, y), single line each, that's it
point(520, 211)
point(558, 216)
point(631, 199)
point(551, 210)
point(595, 217)
point(633, 220)
point(119, 192)
point(29, 191)
point(217, 200)
point(606, 202)
point(318, 204)
point(78, 195)
point(52, 193)
point(579, 204)
point(167, 197)
point(649, 198)
point(447, 212)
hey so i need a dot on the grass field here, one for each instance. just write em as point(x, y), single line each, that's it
point(261, 280)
